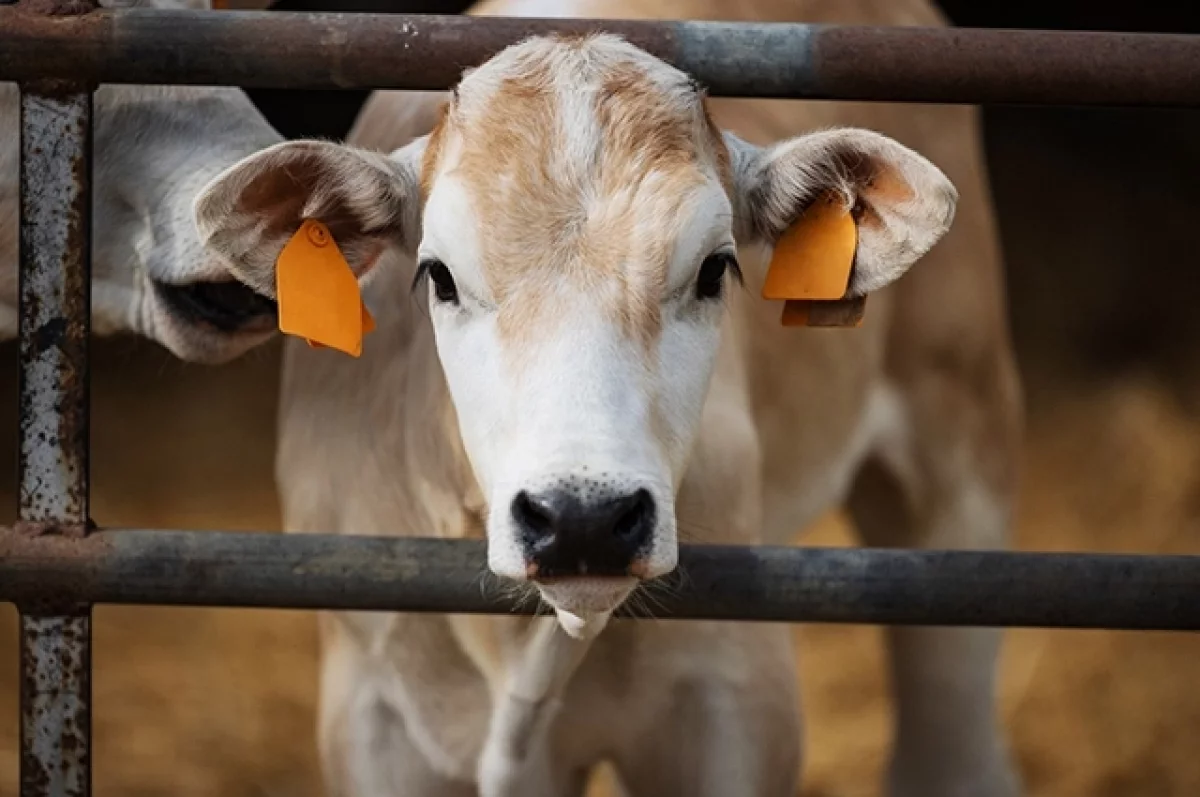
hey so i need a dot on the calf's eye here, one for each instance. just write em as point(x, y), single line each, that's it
point(444, 289)
point(710, 282)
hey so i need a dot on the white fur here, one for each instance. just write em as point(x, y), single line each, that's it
point(882, 428)
point(549, 409)
point(517, 756)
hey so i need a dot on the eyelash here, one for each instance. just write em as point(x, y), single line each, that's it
point(444, 288)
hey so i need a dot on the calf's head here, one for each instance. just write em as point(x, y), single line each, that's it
point(574, 219)
point(154, 149)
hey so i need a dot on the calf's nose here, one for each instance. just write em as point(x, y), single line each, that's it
point(564, 534)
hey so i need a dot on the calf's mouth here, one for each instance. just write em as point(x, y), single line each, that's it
point(224, 305)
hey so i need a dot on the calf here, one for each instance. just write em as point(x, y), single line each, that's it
point(580, 378)
point(155, 148)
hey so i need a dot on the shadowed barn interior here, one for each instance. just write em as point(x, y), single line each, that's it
point(1097, 211)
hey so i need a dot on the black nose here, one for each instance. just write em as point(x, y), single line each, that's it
point(227, 305)
point(565, 535)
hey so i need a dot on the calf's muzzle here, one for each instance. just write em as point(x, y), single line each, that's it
point(573, 532)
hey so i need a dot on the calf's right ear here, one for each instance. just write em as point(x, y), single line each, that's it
point(369, 202)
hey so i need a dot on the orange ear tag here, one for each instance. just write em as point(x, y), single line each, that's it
point(810, 267)
point(318, 294)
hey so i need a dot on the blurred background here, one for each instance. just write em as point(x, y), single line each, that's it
point(1097, 212)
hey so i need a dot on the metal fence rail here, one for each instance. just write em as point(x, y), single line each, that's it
point(196, 568)
point(344, 51)
point(54, 570)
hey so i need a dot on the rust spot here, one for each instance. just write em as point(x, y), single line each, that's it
point(59, 8)
point(49, 568)
point(48, 335)
point(38, 528)
point(52, 87)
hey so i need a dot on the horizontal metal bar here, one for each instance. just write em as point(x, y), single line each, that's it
point(343, 51)
point(901, 587)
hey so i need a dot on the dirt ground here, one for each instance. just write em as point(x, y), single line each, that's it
point(219, 702)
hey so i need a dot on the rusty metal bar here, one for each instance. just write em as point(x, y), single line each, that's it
point(344, 51)
point(56, 695)
point(780, 584)
point(55, 309)
point(55, 295)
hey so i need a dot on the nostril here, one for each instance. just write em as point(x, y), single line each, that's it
point(535, 520)
point(529, 513)
point(636, 518)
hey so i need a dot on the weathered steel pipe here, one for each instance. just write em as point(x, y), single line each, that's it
point(714, 582)
point(56, 694)
point(55, 310)
point(55, 306)
point(55, 301)
point(343, 51)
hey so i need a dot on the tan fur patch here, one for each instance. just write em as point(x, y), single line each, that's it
point(433, 152)
point(579, 155)
point(882, 186)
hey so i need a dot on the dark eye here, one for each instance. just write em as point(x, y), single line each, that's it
point(710, 283)
point(444, 288)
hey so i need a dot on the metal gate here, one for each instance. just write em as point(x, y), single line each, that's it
point(55, 566)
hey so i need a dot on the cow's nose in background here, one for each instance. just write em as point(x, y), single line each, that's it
point(571, 532)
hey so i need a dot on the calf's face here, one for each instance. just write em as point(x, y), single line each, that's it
point(154, 149)
point(574, 219)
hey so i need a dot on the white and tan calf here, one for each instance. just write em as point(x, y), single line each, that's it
point(581, 378)
point(155, 147)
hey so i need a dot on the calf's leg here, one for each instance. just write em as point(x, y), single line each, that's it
point(945, 479)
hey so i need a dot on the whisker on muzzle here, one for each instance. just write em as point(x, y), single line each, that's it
point(643, 603)
point(652, 598)
point(519, 594)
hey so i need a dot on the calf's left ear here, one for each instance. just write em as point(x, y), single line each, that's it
point(368, 203)
point(901, 203)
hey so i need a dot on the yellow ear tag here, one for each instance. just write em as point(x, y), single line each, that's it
point(810, 267)
point(318, 294)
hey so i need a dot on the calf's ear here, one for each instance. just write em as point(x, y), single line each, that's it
point(369, 203)
point(900, 202)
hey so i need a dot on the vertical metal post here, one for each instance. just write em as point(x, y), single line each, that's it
point(55, 303)
point(56, 696)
